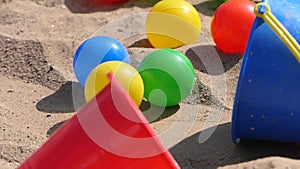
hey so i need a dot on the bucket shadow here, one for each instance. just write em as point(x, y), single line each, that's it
point(65, 100)
point(219, 150)
point(91, 6)
point(207, 59)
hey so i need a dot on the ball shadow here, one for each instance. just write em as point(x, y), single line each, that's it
point(64, 100)
point(208, 7)
point(219, 150)
point(150, 111)
point(91, 6)
point(143, 43)
point(207, 59)
point(54, 128)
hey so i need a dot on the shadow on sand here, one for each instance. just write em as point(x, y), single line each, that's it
point(219, 150)
point(209, 59)
point(67, 99)
point(91, 6)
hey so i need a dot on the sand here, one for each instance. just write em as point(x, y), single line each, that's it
point(39, 91)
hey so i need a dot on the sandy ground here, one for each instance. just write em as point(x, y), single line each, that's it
point(37, 41)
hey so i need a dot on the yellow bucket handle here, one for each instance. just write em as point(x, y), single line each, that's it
point(263, 11)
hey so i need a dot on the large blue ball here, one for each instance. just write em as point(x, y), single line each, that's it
point(94, 51)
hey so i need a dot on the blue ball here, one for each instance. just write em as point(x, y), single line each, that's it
point(94, 51)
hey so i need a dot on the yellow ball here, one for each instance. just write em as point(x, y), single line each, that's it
point(127, 75)
point(171, 24)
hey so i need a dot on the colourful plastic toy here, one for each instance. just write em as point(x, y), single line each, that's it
point(267, 97)
point(170, 24)
point(168, 77)
point(231, 25)
point(128, 76)
point(94, 51)
point(104, 134)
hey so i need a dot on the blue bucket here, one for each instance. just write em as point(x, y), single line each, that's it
point(267, 101)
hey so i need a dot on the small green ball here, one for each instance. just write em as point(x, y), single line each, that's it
point(168, 77)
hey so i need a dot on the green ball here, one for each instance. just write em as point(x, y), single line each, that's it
point(168, 77)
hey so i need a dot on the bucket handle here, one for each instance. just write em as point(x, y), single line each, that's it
point(263, 11)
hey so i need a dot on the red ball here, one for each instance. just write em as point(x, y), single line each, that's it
point(231, 25)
